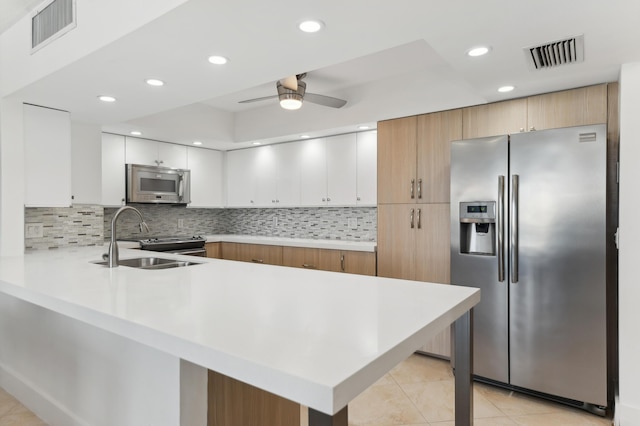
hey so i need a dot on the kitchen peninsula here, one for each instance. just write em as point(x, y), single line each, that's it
point(315, 338)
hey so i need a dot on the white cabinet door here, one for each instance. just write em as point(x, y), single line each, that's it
point(141, 151)
point(341, 170)
point(86, 163)
point(47, 143)
point(172, 155)
point(113, 170)
point(240, 178)
point(313, 172)
point(206, 167)
point(154, 153)
point(287, 174)
point(263, 166)
point(367, 168)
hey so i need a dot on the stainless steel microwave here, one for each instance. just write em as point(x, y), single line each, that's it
point(152, 184)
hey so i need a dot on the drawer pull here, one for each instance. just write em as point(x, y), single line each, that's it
point(308, 266)
point(257, 260)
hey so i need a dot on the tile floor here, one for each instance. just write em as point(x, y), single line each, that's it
point(418, 392)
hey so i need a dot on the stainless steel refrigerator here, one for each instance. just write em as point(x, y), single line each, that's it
point(528, 228)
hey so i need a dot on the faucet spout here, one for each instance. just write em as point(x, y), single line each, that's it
point(112, 255)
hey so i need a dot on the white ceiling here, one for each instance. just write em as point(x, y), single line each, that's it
point(386, 58)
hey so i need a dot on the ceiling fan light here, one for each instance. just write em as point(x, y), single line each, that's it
point(291, 101)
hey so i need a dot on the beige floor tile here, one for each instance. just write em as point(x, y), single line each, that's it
point(7, 402)
point(491, 421)
point(564, 418)
point(516, 404)
point(435, 400)
point(384, 405)
point(420, 368)
point(21, 419)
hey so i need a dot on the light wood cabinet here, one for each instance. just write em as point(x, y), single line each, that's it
point(499, 118)
point(255, 253)
point(214, 250)
point(396, 159)
point(435, 133)
point(348, 261)
point(413, 157)
point(576, 107)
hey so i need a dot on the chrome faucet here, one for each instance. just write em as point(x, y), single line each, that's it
point(112, 255)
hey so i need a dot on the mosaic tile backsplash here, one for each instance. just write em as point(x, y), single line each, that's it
point(91, 225)
point(320, 223)
point(66, 226)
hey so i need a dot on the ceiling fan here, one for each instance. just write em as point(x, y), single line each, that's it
point(292, 90)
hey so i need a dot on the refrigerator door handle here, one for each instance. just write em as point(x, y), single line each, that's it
point(500, 225)
point(515, 189)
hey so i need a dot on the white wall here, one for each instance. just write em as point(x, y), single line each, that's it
point(628, 410)
point(11, 178)
point(70, 373)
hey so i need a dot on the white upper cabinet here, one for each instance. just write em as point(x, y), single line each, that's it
point(240, 178)
point(313, 172)
point(153, 153)
point(366, 168)
point(47, 148)
point(207, 168)
point(113, 170)
point(341, 170)
point(287, 174)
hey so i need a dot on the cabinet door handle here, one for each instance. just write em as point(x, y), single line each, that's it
point(342, 262)
point(308, 266)
point(419, 189)
point(328, 199)
point(419, 221)
point(413, 183)
point(411, 218)
point(257, 260)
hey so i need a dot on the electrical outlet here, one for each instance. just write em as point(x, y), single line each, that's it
point(33, 230)
point(180, 223)
point(352, 223)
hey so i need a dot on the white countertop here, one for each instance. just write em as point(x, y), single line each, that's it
point(317, 338)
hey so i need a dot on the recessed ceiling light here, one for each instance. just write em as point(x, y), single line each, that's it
point(311, 26)
point(197, 143)
point(505, 89)
point(257, 143)
point(304, 136)
point(135, 133)
point(218, 60)
point(155, 82)
point(478, 51)
point(105, 98)
point(363, 127)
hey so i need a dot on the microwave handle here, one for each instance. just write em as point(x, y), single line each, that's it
point(181, 187)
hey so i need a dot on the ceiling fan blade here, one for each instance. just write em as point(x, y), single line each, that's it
point(290, 82)
point(248, 101)
point(327, 101)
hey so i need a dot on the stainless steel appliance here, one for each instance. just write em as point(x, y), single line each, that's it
point(528, 228)
point(152, 184)
point(193, 246)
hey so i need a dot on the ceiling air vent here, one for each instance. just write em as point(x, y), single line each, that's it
point(51, 21)
point(556, 53)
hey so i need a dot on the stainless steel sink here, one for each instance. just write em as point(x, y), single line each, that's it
point(152, 263)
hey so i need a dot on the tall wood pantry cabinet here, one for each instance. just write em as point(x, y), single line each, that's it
point(413, 200)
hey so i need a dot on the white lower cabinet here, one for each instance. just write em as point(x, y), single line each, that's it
point(207, 171)
point(47, 148)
